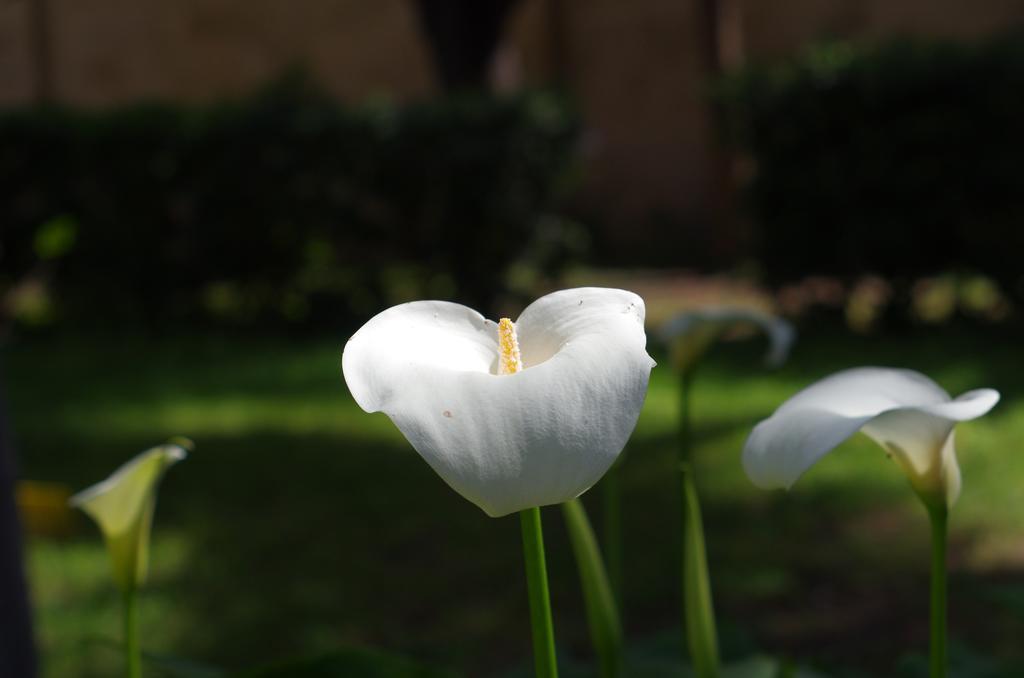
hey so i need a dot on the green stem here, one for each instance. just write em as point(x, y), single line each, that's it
point(698, 609)
point(611, 492)
point(540, 602)
point(939, 522)
point(685, 384)
point(599, 602)
point(133, 654)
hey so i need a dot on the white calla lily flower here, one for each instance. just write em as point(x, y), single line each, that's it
point(905, 412)
point(122, 506)
point(529, 418)
point(691, 333)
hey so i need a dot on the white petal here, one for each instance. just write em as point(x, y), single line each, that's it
point(781, 448)
point(781, 335)
point(398, 342)
point(904, 411)
point(967, 406)
point(921, 439)
point(122, 506)
point(115, 502)
point(506, 443)
point(868, 391)
point(693, 331)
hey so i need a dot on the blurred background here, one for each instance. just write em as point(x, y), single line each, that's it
point(200, 200)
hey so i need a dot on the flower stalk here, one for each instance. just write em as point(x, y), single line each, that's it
point(698, 608)
point(938, 515)
point(545, 663)
point(611, 495)
point(132, 650)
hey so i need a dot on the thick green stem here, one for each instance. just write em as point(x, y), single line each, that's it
point(540, 601)
point(698, 609)
point(938, 661)
point(602, 615)
point(133, 654)
point(611, 492)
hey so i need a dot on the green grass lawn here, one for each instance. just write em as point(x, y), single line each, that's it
point(302, 524)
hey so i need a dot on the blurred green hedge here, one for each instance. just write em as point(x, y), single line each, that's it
point(285, 207)
point(901, 159)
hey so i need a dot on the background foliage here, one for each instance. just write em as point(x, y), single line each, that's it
point(285, 207)
point(901, 159)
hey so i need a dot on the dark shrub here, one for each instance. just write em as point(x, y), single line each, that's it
point(285, 207)
point(901, 159)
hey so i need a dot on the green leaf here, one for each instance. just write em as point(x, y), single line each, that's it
point(698, 610)
point(602, 613)
point(697, 606)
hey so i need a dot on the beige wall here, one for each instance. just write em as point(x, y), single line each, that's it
point(635, 67)
point(638, 76)
point(112, 51)
point(15, 64)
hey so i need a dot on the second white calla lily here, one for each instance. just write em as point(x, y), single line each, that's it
point(691, 333)
point(905, 412)
point(509, 441)
point(122, 506)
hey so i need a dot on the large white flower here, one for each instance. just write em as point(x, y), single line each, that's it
point(507, 439)
point(122, 506)
point(905, 412)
